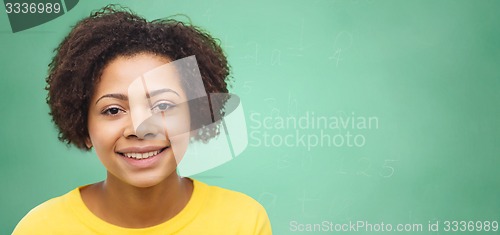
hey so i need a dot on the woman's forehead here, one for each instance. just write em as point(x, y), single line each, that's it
point(132, 67)
point(150, 71)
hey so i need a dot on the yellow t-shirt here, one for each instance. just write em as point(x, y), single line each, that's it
point(210, 210)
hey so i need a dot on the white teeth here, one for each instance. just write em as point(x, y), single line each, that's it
point(141, 155)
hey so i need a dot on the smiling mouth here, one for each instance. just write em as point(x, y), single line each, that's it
point(145, 155)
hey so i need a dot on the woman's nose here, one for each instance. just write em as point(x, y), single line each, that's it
point(151, 128)
point(144, 125)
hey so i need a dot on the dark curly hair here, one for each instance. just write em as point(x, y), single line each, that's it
point(116, 31)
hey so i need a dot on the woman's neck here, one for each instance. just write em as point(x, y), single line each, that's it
point(128, 206)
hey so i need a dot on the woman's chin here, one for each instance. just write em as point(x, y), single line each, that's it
point(149, 180)
point(144, 183)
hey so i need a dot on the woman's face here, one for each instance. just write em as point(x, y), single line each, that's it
point(138, 116)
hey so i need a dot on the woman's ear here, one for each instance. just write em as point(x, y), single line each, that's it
point(88, 143)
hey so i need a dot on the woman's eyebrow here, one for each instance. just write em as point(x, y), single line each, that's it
point(164, 90)
point(125, 98)
point(116, 96)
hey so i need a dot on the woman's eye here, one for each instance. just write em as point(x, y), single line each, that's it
point(162, 107)
point(111, 111)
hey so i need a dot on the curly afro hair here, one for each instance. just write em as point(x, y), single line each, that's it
point(116, 31)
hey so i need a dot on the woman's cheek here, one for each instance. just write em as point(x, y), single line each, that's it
point(179, 133)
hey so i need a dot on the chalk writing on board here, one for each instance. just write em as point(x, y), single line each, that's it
point(365, 166)
point(271, 103)
point(388, 168)
point(336, 56)
point(283, 161)
point(341, 167)
point(342, 42)
point(298, 51)
point(276, 57)
point(247, 86)
point(305, 200)
point(277, 162)
point(254, 53)
point(292, 106)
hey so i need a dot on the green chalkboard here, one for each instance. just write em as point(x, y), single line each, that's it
point(366, 112)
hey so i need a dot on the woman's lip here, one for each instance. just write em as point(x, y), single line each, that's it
point(144, 149)
point(146, 162)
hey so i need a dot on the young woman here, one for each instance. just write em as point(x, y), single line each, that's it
point(127, 88)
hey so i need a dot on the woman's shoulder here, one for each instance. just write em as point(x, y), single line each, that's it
point(46, 215)
point(222, 197)
point(235, 210)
